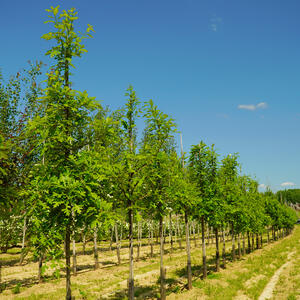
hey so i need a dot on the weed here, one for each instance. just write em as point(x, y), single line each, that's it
point(83, 294)
point(16, 289)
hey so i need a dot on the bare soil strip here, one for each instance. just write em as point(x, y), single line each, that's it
point(268, 291)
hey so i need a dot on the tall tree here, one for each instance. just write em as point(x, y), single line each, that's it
point(158, 145)
point(67, 115)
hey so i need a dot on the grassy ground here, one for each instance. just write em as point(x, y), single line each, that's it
point(244, 279)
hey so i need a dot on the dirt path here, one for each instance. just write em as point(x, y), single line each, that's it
point(268, 291)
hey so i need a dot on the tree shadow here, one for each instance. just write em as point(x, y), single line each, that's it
point(140, 292)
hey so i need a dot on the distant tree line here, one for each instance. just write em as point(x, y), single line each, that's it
point(289, 196)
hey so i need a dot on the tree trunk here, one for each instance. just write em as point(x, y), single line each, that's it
point(224, 249)
point(111, 238)
point(68, 264)
point(194, 233)
point(22, 256)
point(96, 256)
point(257, 241)
point(208, 236)
point(74, 256)
point(83, 243)
point(244, 248)
point(179, 234)
point(249, 242)
point(130, 280)
point(121, 235)
point(233, 243)
point(188, 252)
point(239, 246)
point(261, 240)
point(24, 233)
point(252, 236)
point(40, 277)
point(151, 240)
point(162, 269)
point(217, 250)
point(171, 232)
point(268, 236)
point(139, 241)
point(118, 244)
point(203, 248)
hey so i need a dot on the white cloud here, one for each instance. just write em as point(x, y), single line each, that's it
point(252, 107)
point(288, 184)
point(247, 107)
point(215, 22)
point(262, 186)
point(262, 105)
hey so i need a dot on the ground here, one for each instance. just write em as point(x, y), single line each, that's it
point(244, 279)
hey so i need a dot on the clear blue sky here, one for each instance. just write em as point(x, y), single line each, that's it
point(227, 71)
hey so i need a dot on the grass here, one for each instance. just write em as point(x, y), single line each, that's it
point(247, 276)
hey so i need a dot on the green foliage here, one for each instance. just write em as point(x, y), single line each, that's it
point(16, 288)
point(289, 196)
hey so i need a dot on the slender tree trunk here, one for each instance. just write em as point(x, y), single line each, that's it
point(217, 250)
point(68, 264)
point(139, 241)
point(131, 279)
point(252, 236)
point(151, 240)
point(224, 249)
point(111, 238)
point(164, 233)
point(171, 233)
point(121, 235)
point(83, 242)
point(208, 236)
point(179, 234)
point(203, 248)
point(257, 241)
point(261, 240)
point(24, 233)
point(249, 242)
point(194, 233)
point(244, 247)
point(118, 244)
point(175, 232)
point(22, 256)
point(268, 235)
point(233, 243)
point(96, 255)
point(74, 256)
point(239, 246)
point(188, 252)
point(162, 269)
point(40, 263)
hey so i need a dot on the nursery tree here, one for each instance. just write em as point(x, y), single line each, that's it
point(67, 115)
point(202, 166)
point(158, 145)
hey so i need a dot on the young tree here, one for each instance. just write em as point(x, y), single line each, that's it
point(157, 148)
point(67, 197)
point(202, 166)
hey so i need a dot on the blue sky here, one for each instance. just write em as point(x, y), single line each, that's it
point(227, 71)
